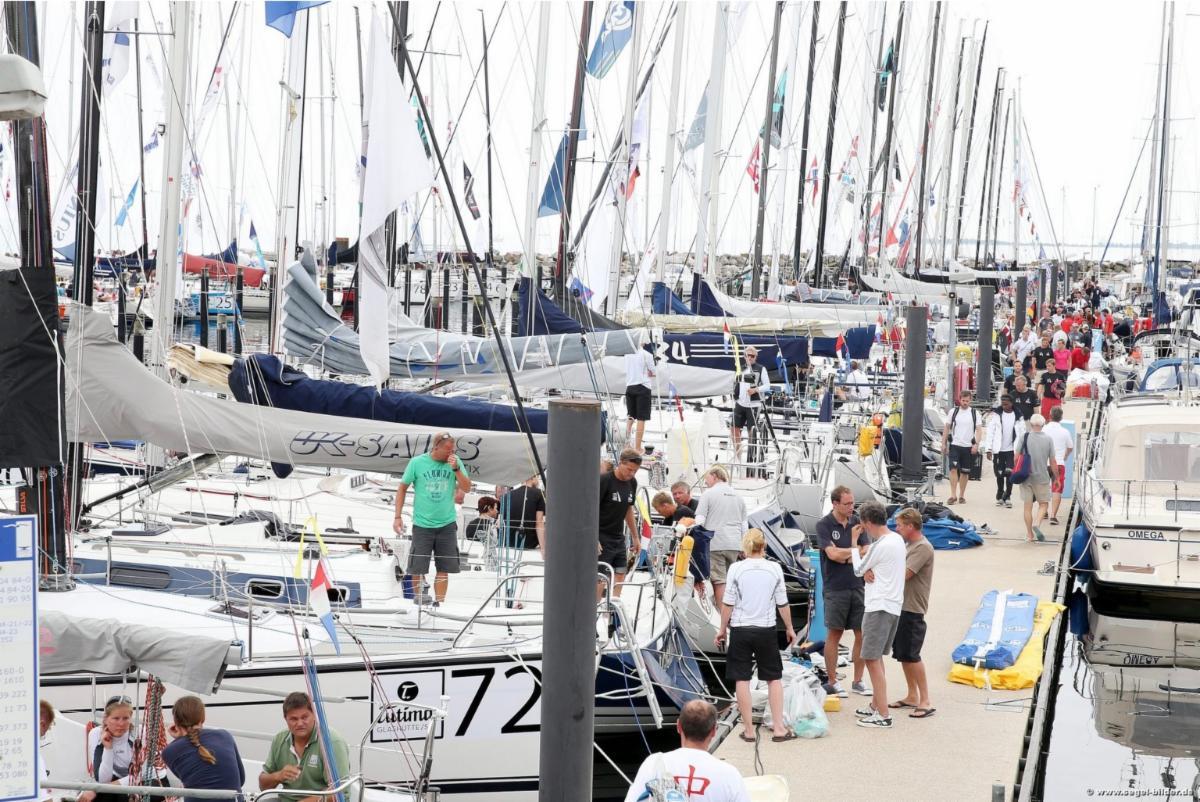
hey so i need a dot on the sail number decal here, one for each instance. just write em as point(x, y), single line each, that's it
point(482, 701)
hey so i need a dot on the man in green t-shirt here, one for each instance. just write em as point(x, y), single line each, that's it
point(434, 477)
point(296, 759)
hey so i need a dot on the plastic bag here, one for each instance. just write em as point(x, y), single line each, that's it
point(804, 712)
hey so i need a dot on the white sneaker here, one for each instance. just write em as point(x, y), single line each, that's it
point(860, 689)
point(876, 721)
point(839, 690)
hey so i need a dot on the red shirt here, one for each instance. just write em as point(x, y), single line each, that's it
point(1066, 324)
point(1108, 325)
point(1079, 359)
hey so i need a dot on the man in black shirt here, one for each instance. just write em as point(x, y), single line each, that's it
point(618, 488)
point(671, 512)
point(1051, 389)
point(1024, 399)
point(1043, 355)
point(841, 590)
point(524, 510)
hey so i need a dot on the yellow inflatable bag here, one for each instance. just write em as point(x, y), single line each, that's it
point(1023, 673)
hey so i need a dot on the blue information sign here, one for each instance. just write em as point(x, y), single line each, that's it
point(19, 772)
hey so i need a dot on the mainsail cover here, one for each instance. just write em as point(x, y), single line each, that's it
point(607, 377)
point(708, 300)
point(111, 396)
point(315, 333)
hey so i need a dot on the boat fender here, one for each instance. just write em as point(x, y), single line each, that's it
point(683, 557)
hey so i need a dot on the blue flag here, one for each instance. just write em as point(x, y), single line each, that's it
point(615, 32)
point(282, 15)
point(121, 215)
point(262, 261)
point(552, 196)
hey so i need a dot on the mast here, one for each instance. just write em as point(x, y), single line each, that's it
point(37, 263)
point(288, 219)
point(177, 103)
point(144, 251)
point(621, 156)
point(1151, 194)
point(487, 117)
point(944, 225)
point(872, 99)
point(922, 203)
point(1016, 132)
point(966, 156)
point(399, 36)
point(988, 162)
point(994, 206)
point(768, 130)
point(706, 221)
point(808, 90)
point(669, 145)
point(362, 127)
point(823, 210)
point(322, 205)
point(564, 225)
point(532, 269)
point(89, 151)
point(889, 128)
point(1160, 245)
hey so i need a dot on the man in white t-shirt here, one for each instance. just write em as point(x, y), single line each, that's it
point(1064, 444)
point(960, 442)
point(639, 376)
point(752, 382)
point(882, 565)
point(858, 385)
point(690, 769)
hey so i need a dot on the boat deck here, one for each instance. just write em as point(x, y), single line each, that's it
point(974, 740)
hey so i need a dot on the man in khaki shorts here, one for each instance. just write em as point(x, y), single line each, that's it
point(722, 512)
point(1038, 448)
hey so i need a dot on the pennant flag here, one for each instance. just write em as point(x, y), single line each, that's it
point(318, 602)
point(615, 32)
point(580, 290)
point(552, 195)
point(814, 175)
point(469, 192)
point(262, 261)
point(752, 166)
point(639, 134)
point(885, 72)
point(153, 143)
point(726, 336)
point(282, 15)
point(121, 215)
point(695, 137)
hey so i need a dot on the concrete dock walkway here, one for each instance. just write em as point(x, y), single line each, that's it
point(974, 740)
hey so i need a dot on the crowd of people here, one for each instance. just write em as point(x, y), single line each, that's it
point(202, 757)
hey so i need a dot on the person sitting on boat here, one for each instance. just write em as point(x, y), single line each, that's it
point(296, 760)
point(489, 509)
point(202, 757)
point(111, 750)
point(671, 512)
point(434, 478)
point(682, 493)
point(690, 770)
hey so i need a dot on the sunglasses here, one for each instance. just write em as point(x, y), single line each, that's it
point(122, 700)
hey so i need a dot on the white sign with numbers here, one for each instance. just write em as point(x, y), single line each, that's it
point(18, 660)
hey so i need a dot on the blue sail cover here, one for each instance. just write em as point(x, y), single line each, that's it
point(112, 266)
point(703, 301)
point(550, 318)
point(665, 302)
point(709, 350)
point(858, 343)
point(265, 380)
point(228, 256)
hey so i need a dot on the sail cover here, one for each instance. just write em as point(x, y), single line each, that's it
point(112, 396)
point(607, 377)
point(71, 644)
point(708, 300)
point(315, 333)
point(31, 435)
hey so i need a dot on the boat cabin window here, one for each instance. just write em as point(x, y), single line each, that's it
point(140, 577)
point(1172, 456)
point(337, 594)
point(264, 588)
point(1168, 378)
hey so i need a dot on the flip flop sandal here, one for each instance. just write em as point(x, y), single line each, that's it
point(742, 735)
point(778, 739)
point(900, 705)
point(922, 712)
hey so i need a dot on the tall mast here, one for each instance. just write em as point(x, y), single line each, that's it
point(826, 172)
point(706, 222)
point(287, 218)
point(889, 128)
point(768, 130)
point(922, 203)
point(994, 206)
point(808, 91)
point(137, 55)
point(988, 162)
point(966, 156)
point(948, 163)
point(1155, 124)
point(532, 181)
point(399, 37)
point(177, 91)
point(564, 225)
point(487, 119)
point(873, 100)
point(1160, 245)
point(622, 157)
point(89, 150)
point(669, 145)
point(1016, 131)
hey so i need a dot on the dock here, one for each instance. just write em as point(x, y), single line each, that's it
point(974, 740)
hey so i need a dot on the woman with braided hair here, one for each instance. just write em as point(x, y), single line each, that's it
point(199, 756)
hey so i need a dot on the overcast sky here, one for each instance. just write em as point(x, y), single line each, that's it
point(1087, 77)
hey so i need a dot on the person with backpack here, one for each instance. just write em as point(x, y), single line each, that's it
point(1004, 429)
point(960, 441)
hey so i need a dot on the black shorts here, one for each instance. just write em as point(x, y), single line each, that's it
point(749, 646)
point(744, 416)
point(910, 637)
point(961, 458)
point(614, 555)
point(637, 401)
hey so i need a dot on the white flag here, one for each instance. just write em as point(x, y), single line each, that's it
point(396, 169)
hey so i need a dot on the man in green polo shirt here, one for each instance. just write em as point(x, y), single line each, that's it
point(296, 760)
point(434, 477)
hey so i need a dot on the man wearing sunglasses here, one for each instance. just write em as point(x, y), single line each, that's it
point(434, 477)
